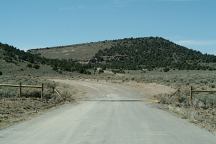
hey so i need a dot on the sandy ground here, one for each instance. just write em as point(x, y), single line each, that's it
point(107, 114)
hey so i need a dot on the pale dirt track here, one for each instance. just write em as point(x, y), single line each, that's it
point(107, 114)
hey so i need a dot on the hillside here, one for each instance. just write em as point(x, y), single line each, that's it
point(150, 53)
point(17, 62)
point(81, 52)
point(133, 53)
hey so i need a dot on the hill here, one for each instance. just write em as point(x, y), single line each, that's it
point(150, 53)
point(15, 61)
point(132, 53)
point(80, 52)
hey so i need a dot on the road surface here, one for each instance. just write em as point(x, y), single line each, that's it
point(107, 115)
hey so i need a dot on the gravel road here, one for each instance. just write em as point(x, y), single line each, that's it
point(107, 114)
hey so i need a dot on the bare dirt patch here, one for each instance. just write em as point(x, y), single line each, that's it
point(150, 89)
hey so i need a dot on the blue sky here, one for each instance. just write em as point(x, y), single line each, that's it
point(42, 23)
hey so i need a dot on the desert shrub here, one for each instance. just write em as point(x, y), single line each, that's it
point(104, 67)
point(36, 66)
point(84, 71)
point(166, 69)
point(29, 65)
point(50, 85)
point(8, 59)
point(183, 99)
point(66, 95)
point(118, 71)
point(55, 68)
point(213, 86)
point(101, 71)
point(31, 93)
point(8, 93)
point(88, 72)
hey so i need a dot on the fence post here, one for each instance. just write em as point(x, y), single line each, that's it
point(20, 89)
point(42, 89)
point(191, 95)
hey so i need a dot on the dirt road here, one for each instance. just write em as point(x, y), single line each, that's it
point(107, 114)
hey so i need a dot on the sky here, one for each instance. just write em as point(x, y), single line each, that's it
point(30, 24)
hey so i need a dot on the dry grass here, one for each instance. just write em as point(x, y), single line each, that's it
point(78, 52)
point(14, 108)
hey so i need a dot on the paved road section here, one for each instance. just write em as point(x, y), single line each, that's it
point(110, 115)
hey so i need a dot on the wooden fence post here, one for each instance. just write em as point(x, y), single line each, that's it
point(20, 89)
point(42, 89)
